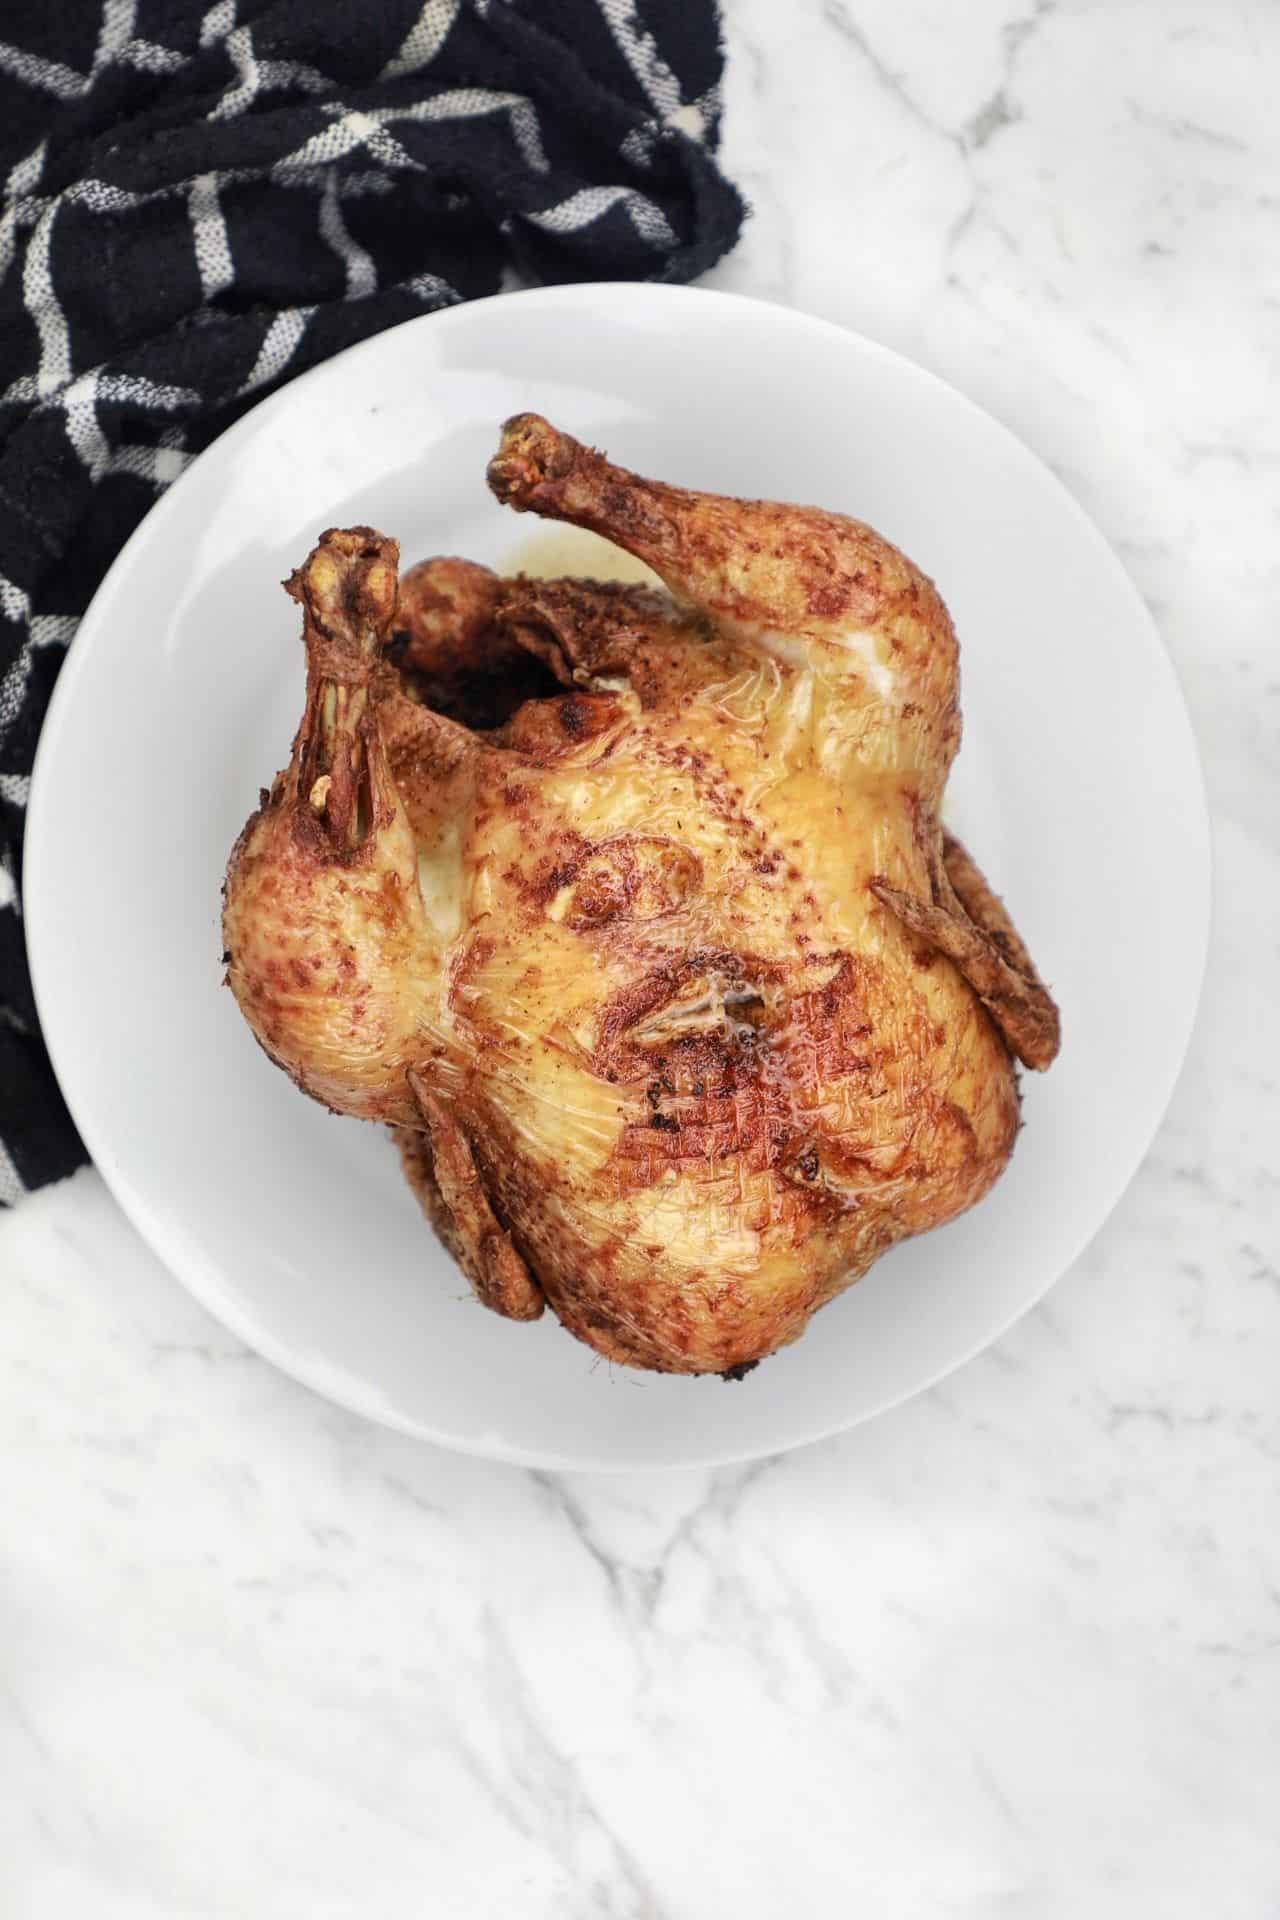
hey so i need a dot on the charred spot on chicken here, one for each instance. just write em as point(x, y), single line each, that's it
point(632, 912)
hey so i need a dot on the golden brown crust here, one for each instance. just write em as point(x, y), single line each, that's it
point(583, 888)
point(453, 650)
point(320, 929)
point(417, 1163)
point(973, 929)
point(985, 907)
point(480, 1244)
point(762, 565)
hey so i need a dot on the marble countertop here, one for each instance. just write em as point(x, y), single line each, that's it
point(1011, 1650)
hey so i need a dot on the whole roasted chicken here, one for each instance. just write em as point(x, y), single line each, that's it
point(632, 911)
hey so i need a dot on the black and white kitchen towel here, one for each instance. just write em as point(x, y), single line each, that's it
point(200, 201)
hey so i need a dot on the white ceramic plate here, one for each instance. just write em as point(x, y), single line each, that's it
point(1078, 784)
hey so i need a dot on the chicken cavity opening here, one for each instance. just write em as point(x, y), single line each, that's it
point(480, 698)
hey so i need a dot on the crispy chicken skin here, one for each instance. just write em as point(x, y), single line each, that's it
point(633, 914)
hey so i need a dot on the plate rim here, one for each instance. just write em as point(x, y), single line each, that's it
point(186, 1265)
